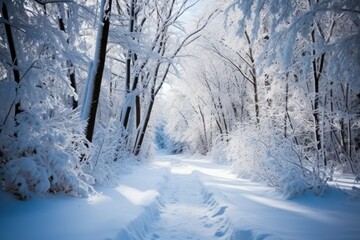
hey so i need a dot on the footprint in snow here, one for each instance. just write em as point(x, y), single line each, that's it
point(220, 212)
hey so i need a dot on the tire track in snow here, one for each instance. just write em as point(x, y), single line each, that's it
point(189, 212)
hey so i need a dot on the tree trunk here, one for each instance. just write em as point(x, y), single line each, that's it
point(206, 144)
point(70, 66)
point(317, 64)
point(141, 134)
point(14, 60)
point(254, 81)
point(286, 104)
point(138, 110)
point(129, 56)
point(98, 67)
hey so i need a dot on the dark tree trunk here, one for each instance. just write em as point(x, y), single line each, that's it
point(100, 63)
point(14, 60)
point(141, 134)
point(138, 110)
point(317, 64)
point(72, 78)
point(125, 120)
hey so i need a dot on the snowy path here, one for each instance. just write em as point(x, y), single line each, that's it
point(202, 200)
point(186, 213)
point(180, 198)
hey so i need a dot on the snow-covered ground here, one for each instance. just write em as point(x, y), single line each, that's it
point(178, 197)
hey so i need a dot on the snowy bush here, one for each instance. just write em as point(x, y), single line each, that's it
point(42, 142)
point(46, 157)
point(274, 161)
point(110, 157)
point(218, 150)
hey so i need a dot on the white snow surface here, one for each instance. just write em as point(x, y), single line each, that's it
point(180, 197)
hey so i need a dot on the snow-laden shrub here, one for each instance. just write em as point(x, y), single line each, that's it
point(218, 150)
point(41, 154)
point(111, 157)
point(275, 161)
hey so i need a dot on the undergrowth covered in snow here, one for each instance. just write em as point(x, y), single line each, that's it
point(276, 161)
point(45, 158)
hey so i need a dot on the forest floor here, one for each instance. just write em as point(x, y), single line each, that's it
point(179, 197)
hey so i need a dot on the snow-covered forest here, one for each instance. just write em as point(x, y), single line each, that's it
point(275, 92)
point(92, 90)
point(79, 84)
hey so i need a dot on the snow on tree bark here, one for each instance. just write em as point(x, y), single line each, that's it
point(97, 69)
